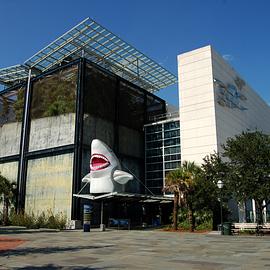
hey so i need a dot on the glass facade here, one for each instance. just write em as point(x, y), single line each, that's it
point(115, 112)
point(52, 109)
point(11, 111)
point(162, 152)
point(68, 107)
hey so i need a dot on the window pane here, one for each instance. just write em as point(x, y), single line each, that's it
point(131, 106)
point(171, 125)
point(53, 109)
point(100, 93)
point(11, 114)
point(154, 107)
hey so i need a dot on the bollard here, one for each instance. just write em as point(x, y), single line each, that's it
point(86, 217)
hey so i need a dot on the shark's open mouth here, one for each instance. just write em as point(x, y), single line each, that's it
point(98, 162)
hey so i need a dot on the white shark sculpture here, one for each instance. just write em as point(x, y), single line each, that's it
point(105, 170)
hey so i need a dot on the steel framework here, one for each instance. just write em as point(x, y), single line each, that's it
point(96, 43)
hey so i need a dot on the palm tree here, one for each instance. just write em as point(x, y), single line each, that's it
point(7, 195)
point(181, 182)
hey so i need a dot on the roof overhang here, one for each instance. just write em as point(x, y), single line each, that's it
point(127, 197)
point(96, 43)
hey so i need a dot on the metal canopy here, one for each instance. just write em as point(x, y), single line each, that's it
point(144, 198)
point(91, 40)
point(14, 73)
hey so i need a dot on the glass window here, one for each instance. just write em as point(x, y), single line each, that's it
point(154, 128)
point(55, 94)
point(169, 142)
point(154, 107)
point(171, 125)
point(154, 167)
point(172, 133)
point(154, 159)
point(99, 106)
point(11, 115)
point(131, 106)
point(99, 94)
point(172, 165)
point(172, 150)
point(154, 136)
point(157, 183)
point(172, 157)
point(156, 190)
point(154, 175)
point(155, 144)
point(52, 109)
point(154, 152)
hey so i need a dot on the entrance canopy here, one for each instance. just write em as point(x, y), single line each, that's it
point(127, 197)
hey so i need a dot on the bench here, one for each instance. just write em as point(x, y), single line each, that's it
point(119, 223)
point(252, 227)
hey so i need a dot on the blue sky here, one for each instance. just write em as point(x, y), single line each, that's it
point(160, 29)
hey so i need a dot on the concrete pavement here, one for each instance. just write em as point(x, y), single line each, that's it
point(136, 250)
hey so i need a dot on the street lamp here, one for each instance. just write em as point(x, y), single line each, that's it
point(220, 185)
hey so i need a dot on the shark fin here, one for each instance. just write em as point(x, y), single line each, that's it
point(122, 177)
point(86, 178)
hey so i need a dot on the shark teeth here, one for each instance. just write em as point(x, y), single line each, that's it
point(98, 162)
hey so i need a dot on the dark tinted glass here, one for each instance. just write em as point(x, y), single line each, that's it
point(153, 129)
point(154, 107)
point(171, 125)
point(131, 106)
point(169, 142)
point(11, 106)
point(100, 93)
point(53, 109)
point(11, 114)
point(55, 94)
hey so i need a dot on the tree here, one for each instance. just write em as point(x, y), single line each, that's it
point(249, 162)
point(182, 182)
point(213, 169)
point(7, 195)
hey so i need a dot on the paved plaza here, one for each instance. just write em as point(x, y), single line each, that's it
point(134, 250)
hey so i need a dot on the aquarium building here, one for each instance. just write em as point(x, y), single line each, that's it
point(86, 84)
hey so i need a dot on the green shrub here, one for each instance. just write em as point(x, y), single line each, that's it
point(43, 220)
point(184, 225)
point(203, 219)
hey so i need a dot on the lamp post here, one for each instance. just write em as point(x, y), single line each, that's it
point(220, 185)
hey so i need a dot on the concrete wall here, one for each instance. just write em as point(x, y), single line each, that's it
point(45, 133)
point(209, 111)
point(197, 111)
point(99, 128)
point(49, 185)
point(52, 131)
point(10, 137)
point(131, 142)
point(251, 112)
point(9, 170)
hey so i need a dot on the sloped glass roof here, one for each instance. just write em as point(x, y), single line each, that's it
point(14, 73)
point(91, 40)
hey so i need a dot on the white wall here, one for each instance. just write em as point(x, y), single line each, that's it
point(255, 113)
point(197, 111)
point(205, 124)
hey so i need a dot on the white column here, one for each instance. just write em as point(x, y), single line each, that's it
point(254, 210)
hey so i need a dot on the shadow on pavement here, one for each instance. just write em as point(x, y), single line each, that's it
point(47, 250)
point(55, 267)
